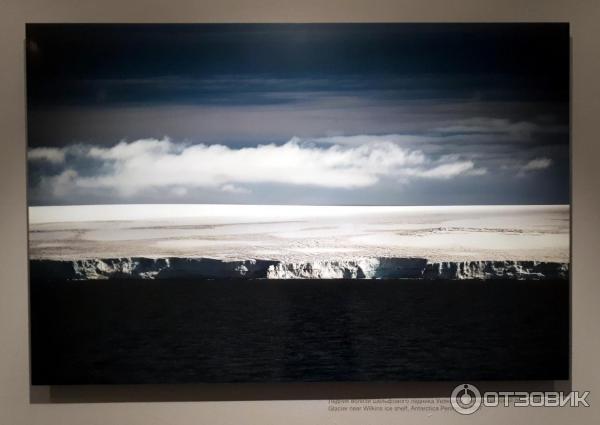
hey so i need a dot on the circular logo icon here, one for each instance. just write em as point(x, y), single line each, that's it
point(465, 399)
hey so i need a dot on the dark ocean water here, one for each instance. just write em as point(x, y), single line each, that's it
point(96, 332)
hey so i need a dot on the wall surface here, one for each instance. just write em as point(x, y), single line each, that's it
point(19, 405)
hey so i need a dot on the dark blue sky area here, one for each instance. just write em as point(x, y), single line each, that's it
point(485, 105)
point(113, 64)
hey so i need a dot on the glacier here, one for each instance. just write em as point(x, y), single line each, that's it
point(358, 268)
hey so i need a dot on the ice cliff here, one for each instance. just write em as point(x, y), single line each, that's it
point(363, 268)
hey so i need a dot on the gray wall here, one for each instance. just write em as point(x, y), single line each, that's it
point(20, 405)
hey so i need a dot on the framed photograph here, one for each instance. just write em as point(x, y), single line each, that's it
point(298, 202)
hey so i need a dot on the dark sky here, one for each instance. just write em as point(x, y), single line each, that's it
point(398, 114)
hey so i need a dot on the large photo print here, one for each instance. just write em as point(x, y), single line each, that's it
point(298, 202)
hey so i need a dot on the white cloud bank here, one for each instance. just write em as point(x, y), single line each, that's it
point(152, 163)
point(53, 155)
point(536, 164)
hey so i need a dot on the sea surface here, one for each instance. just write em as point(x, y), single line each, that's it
point(116, 331)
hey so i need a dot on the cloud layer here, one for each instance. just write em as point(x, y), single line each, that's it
point(130, 168)
point(481, 118)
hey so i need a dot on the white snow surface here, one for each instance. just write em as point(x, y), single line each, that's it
point(301, 234)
